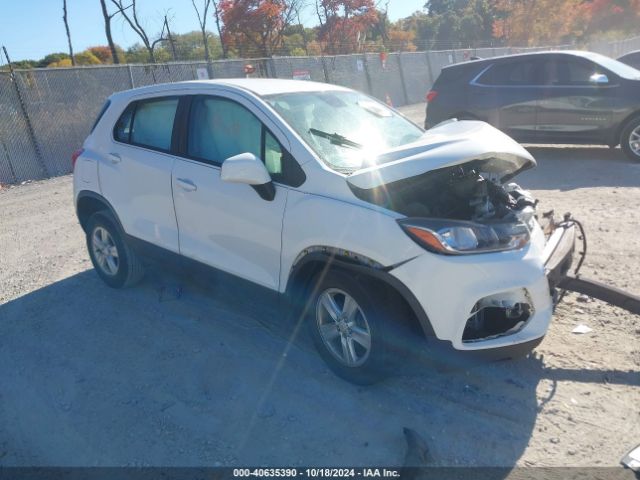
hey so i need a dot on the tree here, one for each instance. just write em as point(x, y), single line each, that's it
point(536, 22)
point(256, 27)
point(107, 30)
point(609, 18)
point(344, 23)
point(217, 16)
point(87, 58)
point(65, 19)
point(103, 53)
point(53, 58)
point(130, 15)
point(202, 21)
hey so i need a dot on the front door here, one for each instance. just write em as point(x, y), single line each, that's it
point(572, 107)
point(228, 225)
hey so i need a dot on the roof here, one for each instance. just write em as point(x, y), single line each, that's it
point(578, 53)
point(257, 86)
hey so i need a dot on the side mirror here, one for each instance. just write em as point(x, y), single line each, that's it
point(599, 79)
point(248, 169)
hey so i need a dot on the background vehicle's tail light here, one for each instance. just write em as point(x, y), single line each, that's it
point(431, 96)
point(74, 157)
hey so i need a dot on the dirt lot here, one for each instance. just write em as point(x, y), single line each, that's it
point(92, 376)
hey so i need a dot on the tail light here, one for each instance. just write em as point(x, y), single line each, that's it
point(431, 96)
point(74, 157)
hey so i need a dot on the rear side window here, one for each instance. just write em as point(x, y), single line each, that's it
point(513, 73)
point(148, 123)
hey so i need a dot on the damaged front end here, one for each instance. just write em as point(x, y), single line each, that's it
point(454, 189)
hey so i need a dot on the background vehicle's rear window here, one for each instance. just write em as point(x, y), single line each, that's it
point(513, 73)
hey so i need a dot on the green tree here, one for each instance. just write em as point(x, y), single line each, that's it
point(53, 58)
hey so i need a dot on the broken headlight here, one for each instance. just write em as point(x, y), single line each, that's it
point(455, 237)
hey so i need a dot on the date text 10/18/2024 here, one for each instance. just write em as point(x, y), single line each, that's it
point(316, 472)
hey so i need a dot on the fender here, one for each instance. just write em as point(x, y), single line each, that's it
point(355, 265)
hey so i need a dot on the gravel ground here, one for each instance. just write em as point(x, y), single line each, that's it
point(93, 376)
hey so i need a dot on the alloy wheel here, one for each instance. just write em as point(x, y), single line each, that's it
point(105, 251)
point(343, 327)
point(634, 140)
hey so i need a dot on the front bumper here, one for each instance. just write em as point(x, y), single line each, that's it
point(449, 288)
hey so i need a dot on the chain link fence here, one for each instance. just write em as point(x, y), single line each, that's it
point(45, 114)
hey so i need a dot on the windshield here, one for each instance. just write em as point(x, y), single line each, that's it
point(347, 130)
point(621, 69)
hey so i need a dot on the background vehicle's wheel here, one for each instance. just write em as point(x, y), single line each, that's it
point(115, 262)
point(630, 139)
point(350, 328)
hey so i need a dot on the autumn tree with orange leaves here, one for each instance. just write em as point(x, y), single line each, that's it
point(256, 27)
point(344, 23)
point(547, 22)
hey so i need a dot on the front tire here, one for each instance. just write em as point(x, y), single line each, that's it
point(114, 260)
point(630, 139)
point(349, 328)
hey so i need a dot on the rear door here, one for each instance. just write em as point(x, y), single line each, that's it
point(572, 107)
point(135, 176)
point(228, 225)
point(505, 95)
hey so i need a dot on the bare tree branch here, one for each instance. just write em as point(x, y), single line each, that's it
point(132, 19)
point(202, 21)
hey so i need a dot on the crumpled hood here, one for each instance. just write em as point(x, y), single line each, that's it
point(451, 143)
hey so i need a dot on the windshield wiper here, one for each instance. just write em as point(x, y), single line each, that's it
point(335, 138)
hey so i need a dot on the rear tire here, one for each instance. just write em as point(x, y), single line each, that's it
point(630, 139)
point(115, 262)
point(349, 322)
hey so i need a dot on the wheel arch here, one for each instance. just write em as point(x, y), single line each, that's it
point(623, 124)
point(306, 267)
point(88, 203)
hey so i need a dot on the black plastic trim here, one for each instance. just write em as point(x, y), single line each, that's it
point(353, 266)
point(96, 196)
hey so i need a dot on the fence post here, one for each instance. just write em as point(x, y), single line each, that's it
point(23, 107)
point(431, 79)
point(327, 79)
point(402, 79)
point(367, 74)
point(8, 157)
point(133, 85)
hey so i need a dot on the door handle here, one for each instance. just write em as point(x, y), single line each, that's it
point(186, 184)
point(114, 158)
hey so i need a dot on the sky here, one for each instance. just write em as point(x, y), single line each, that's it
point(30, 29)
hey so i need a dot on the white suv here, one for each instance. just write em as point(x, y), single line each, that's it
point(372, 227)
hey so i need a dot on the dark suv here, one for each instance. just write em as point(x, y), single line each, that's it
point(545, 97)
